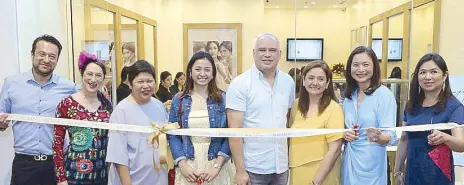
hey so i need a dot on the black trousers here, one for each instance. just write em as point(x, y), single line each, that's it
point(27, 171)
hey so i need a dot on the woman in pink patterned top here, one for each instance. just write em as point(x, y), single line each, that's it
point(84, 160)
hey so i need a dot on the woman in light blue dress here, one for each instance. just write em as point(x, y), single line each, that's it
point(131, 156)
point(368, 104)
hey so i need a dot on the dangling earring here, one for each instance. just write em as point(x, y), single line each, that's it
point(419, 90)
point(444, 85)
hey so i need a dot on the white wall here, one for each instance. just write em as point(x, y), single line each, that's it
point(35, 18)
point(10, 66)
point(26, 20)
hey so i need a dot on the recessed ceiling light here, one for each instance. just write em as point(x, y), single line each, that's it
point(314, 2)
point(305, 6)
point(277, 6)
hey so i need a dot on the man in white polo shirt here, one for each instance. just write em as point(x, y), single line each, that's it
point(261, 98)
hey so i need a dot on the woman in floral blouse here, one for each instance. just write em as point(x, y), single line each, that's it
point(84, 160)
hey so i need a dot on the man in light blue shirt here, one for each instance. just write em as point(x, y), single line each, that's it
point(261, 98)
point(36, 93)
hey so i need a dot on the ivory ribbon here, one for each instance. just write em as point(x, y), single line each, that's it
point(159, 136)
point(159, 133)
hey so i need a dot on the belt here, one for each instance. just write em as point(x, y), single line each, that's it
point(38, 158)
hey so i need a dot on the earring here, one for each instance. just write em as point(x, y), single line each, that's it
point(444, 85)
point(419, 90)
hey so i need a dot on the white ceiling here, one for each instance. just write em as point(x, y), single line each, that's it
point(306, 3)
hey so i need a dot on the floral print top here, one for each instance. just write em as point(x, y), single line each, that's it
point(84, 159)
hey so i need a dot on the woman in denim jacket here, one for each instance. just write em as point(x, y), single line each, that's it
point(200, 160)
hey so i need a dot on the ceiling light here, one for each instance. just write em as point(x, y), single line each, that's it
point(277, 6)
point(314, 2)
point(305, 6)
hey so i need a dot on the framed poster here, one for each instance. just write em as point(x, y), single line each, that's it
point(222, 40)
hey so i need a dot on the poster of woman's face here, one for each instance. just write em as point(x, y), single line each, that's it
point(222, 42)
point(221, 51)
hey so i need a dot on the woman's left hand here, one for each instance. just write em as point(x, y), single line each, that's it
point(373, 134)
point(210, 174)
point(437, 137)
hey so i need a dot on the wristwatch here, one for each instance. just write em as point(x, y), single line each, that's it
point(218, 166)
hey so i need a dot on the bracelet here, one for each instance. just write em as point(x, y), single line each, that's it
point(314, 183)
point(398, 173)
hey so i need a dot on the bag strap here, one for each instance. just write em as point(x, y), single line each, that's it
point(180, 112)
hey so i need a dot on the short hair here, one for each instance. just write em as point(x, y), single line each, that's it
point(140, 66)
point(49, 39)
point(269, 36)
point(129, 46)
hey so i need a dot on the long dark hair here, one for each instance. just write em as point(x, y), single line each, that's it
point(328, 94)
point(208, 47)
point(416, 98)
point(178, 75)
point(351, 83)
point(213, 90)
point(163, 76)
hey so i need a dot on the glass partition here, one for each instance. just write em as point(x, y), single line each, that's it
point(149, 47)
point(94, 32)
point(422, 33)
point(395, 46)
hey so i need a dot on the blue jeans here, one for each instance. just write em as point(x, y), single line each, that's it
point(268, 179)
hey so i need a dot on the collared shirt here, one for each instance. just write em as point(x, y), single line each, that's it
point(264, 107)
point(22, 94)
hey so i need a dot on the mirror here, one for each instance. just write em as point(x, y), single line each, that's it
point(396, 61)
point(100, 37)
point(149, 43)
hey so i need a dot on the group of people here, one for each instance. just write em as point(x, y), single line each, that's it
point(261, 97)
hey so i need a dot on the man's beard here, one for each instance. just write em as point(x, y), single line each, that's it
point(43, 74)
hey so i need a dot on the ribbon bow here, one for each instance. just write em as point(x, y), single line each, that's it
point(159, 136)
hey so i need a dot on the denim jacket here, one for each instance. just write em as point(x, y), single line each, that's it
point(181, 146)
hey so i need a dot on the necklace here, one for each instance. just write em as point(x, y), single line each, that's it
point(200, 98)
